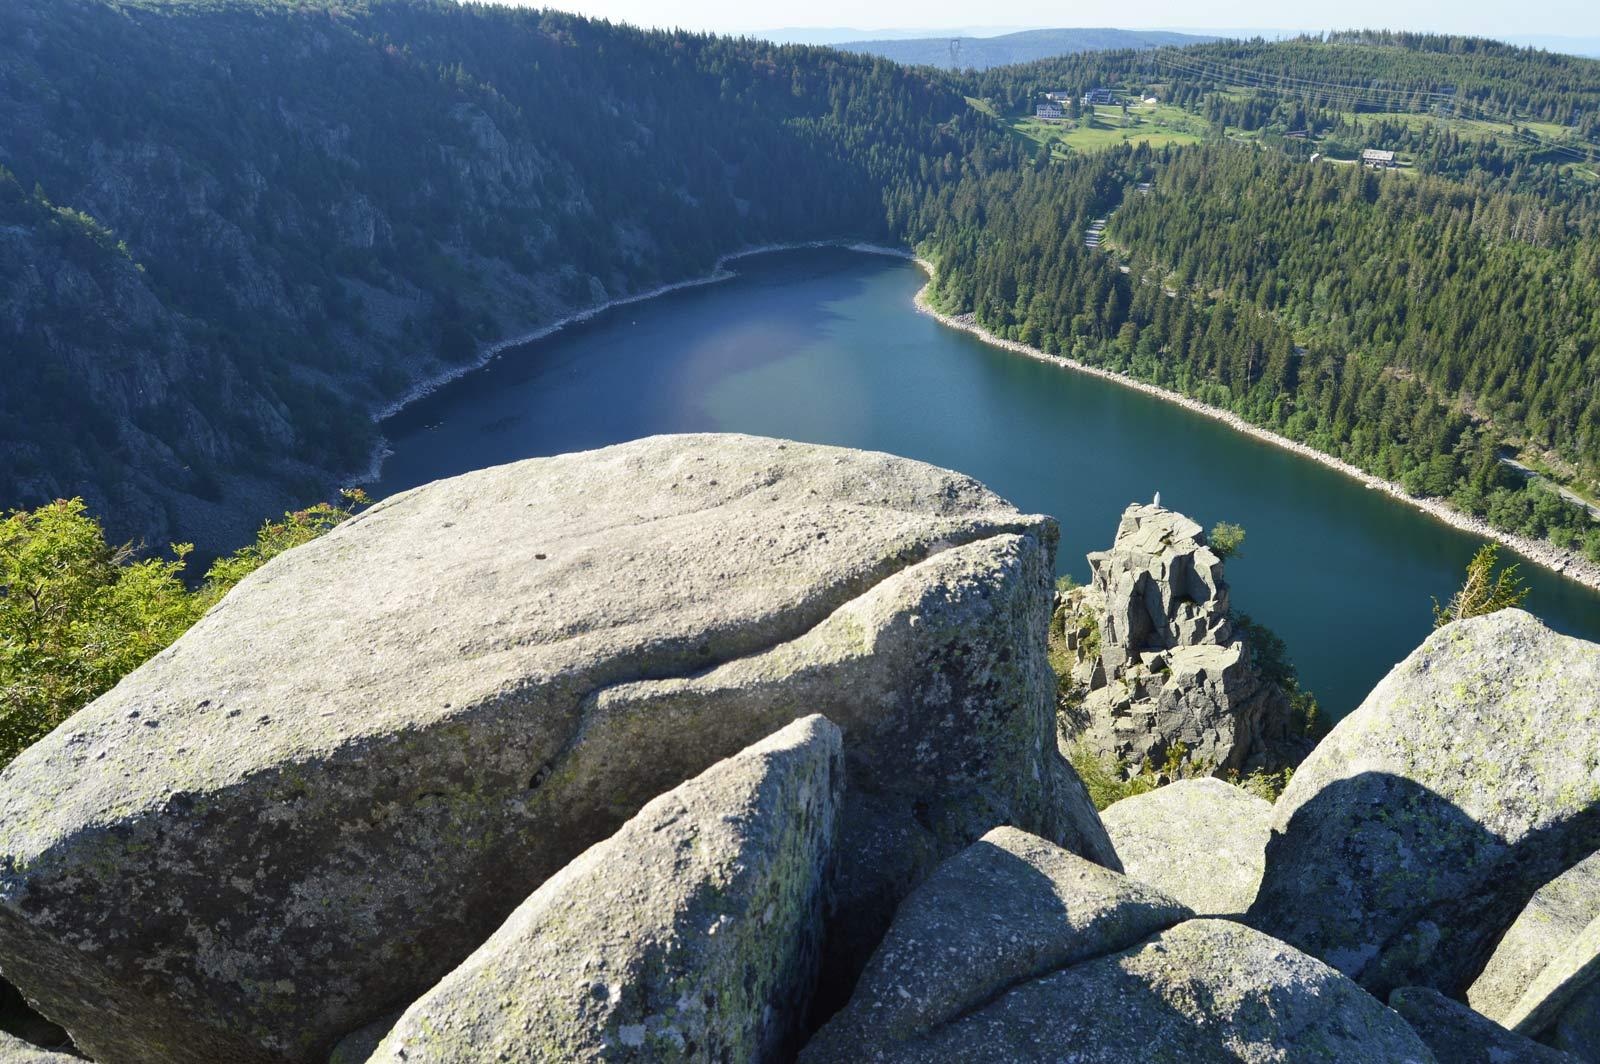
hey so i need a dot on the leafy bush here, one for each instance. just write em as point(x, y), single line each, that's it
point(1106, 779)
point(1226, 539)
point(77, 614)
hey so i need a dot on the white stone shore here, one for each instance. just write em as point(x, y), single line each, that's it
point(1569, 564)
point(490, 352)
point(1566, 563)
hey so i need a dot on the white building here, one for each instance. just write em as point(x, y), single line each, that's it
point(1049, 111)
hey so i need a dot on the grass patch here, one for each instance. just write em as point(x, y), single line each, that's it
point(1107, 127)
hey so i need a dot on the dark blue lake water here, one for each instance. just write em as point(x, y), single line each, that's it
point(825, 346)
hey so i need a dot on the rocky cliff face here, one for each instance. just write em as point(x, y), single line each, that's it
point(1158, 666)
point(631, 755)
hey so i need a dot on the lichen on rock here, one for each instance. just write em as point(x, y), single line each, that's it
point(1411, 838)
point(1202, 841)
point(692, 934)
point(338, 784)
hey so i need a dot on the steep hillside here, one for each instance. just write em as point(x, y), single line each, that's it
point(234, 229)
point(279, 217)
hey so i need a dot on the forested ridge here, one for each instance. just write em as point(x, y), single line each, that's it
point(322, 203)
point(233, 229)
point(1422, 324)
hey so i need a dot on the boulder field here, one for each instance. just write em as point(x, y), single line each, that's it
point(719, 748)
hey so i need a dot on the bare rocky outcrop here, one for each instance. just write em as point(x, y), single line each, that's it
point(1202, 841)
point(1459, 1035)
point(1545, 933)
point(1158, 664)
point(692, 934)
point(1412, 837)
point(1009, 908)
point(340, 782)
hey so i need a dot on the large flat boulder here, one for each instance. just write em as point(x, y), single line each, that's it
point(343, 779)
point(1203, 992)
point(1459, 1035)
point(1417, 830)
point(692, 934)
point(1011, 907)
point(1202, 841)
point(1548, 925)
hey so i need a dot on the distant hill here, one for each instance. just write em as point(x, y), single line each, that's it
point(981, 53)
point(836, 35)
point(1588, 47)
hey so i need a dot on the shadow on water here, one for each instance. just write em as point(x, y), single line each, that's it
point(826, 346)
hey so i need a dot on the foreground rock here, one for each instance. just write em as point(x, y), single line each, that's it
point(16, 1051)
point(1577, 1029)
point(1202, 841)
point(692, 934)
point(1201, 992)
point(1414, 834)
point(1569, 974)
point(1009, 908)
point(1158, 662)
point(341, 781)
point(1548, 926)
point(1459, 1035)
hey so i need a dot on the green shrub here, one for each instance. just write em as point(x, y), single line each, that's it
point(1484, 591)
point(77, 614)
point(1226, 539)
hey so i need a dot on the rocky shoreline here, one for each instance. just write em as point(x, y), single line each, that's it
point(1569, 564)
point(719, 272)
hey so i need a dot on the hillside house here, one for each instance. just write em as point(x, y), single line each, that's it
point(1050, 111)
point(1377, 159)
point(1099, 97)
point(1059, 96)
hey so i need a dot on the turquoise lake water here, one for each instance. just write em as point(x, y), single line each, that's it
point(825, 346)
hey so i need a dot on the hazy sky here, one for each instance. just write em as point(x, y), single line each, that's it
point(1491, 17)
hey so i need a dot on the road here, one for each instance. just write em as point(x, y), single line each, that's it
point(1566, 493)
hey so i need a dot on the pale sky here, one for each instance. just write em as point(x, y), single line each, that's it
point(1490, 17)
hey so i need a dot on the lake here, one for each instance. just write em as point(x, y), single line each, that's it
point(825, 345)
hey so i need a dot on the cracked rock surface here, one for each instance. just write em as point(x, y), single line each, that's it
point(336, 786)
point(1201, 840)
point(1549, 934)
point(1158, 662)
point(1414, 834)
point(692, 934)
point(1009, 908)
point(1016, 950)
point(1459, 1035)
